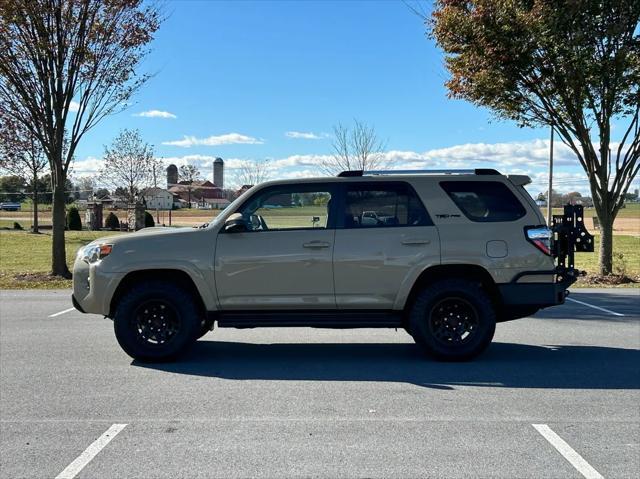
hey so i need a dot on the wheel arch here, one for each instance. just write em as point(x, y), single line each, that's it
point(175, 276)
point(471, 272)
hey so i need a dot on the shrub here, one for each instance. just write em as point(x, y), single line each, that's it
point(112, 222)
point(17, 226)
point(620, 264)
point(148, 220)
point(73, 219)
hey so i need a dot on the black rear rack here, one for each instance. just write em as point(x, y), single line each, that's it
point(569, 236)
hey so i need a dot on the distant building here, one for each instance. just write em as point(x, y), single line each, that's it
point(172, 175)
point(114, 202)
point(158, 198)
point(218, 172)
point(215, 203)
point(198, 191)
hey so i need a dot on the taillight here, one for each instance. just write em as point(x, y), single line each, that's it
point(540, 237)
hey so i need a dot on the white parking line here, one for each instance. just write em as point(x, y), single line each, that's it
point(576, 460)
point(596, 307)
point(89, 453)
point(61, 312)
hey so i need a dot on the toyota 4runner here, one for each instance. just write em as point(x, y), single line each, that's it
point(443, 254)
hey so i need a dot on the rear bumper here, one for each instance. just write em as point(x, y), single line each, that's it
point(539, 295)
point(533, 294)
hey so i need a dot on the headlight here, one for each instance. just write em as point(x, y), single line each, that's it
point(94, 252)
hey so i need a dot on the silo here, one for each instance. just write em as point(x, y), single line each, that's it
point(172, 175)
point(218, 172)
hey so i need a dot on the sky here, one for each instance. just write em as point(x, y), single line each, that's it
point(268, 80)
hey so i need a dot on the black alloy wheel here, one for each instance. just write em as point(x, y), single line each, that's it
point(453, 320)
point(156, 322)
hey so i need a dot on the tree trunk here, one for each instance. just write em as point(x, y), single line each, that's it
point(606, 243)
point(35, 212)
point(58, 252)
point(35, 228)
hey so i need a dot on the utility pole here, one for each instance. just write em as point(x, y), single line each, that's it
point(549, 195)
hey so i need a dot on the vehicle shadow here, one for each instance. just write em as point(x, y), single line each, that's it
point(503, 365)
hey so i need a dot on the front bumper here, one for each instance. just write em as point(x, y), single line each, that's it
point(93, 288)
point(76, 304)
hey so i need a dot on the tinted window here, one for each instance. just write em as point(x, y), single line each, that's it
point(484, 200)
point(288, 207)
point(383, 205)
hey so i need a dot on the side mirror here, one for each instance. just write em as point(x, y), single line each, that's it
point(235, 224)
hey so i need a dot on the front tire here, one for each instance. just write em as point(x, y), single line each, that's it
point(453, 320)
point(206, 325)
point(156, 321)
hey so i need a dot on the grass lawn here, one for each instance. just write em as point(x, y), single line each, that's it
point(630, 210)
point(626, 259)
point(23, 253)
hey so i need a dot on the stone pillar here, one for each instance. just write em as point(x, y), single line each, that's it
point(135, 216)
point(93, 215)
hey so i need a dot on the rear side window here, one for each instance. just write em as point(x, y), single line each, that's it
point(484, 201)
point(382, 205)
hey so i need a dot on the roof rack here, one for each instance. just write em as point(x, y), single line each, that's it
point(477, 171)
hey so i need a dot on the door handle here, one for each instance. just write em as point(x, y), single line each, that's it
point(416, 241)
point(316, 244)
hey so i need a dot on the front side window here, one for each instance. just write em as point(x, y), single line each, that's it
point(484, 201)
point(288, 207)
point(383, 205)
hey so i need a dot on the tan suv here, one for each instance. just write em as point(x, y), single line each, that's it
point(443, 254)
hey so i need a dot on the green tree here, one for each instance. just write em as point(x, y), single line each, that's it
point(571, 64)
point(12, 188)
point(64, 66)
point(101, 193)
point(112, 222)
point(73, 219)
point(21, 153)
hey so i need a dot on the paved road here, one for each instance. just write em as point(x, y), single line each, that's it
point(321, 403)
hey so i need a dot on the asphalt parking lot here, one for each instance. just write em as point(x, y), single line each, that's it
point(556, 395)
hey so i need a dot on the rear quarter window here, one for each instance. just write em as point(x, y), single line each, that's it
point(484, 201)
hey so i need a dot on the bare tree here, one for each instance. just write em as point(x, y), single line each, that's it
point(189, 174)
point(64, 66)
point(355, 148)
point(21, 154)
point(128, 163)
point(157, 169)
point(251, 173)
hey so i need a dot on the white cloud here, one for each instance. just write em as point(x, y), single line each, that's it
point(525, 157)
point(90, 166)
point(74, 106)
point(305, 135)
point(227, 139)
point(155, 114)
point(534, 153)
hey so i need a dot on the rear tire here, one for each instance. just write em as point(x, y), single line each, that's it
point(156, 321)
point(453, 320)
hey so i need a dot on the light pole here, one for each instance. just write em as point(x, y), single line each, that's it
point(549, 195)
